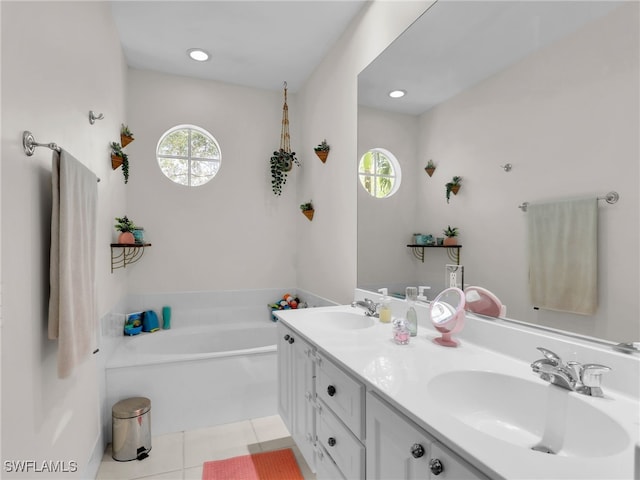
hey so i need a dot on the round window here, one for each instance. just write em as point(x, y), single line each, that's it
point(379, 173)
point(188, 155)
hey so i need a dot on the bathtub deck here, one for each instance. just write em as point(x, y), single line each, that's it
point(181, 455)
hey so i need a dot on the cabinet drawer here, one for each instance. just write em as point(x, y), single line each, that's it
point(326, 469)
point(343, 395)
point(343, 447)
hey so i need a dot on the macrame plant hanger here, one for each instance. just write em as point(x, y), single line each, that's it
point(282, 161)
point(285, 138)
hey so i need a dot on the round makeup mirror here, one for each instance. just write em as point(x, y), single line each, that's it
point(447, 315)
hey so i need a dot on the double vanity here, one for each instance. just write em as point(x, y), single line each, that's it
point(359, 406)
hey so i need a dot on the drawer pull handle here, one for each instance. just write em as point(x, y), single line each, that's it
point(291, 340)
point(331, 441)
point(436, 467)
point(331, 390)
point(417, 450)
point(286, 337)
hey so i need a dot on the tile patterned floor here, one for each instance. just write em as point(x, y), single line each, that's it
point(179, 456)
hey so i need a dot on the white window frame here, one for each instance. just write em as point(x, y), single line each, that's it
point(189, 158)
point(397, 174)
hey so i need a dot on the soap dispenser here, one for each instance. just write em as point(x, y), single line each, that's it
point(385, 306)
point(421, 296)
point(411, 294)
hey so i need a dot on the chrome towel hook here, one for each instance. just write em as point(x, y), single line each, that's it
point(93, 117)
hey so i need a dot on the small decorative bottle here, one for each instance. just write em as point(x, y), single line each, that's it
point(401, 333)
point(411, 294)
point(385, 306)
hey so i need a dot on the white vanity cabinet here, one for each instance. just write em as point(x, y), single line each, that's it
point(340, 418)
point(296, 390)
point(398, 449)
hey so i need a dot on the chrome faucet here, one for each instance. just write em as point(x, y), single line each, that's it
point(370, 307)
point(584, 379)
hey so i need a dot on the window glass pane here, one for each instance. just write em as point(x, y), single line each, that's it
point(202, 147)
point(384, 166)
point(175, 144)
point(367, 164)
point(177, 169)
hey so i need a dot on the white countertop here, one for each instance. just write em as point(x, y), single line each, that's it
point(401, 374)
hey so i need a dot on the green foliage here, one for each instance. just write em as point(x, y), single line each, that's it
point(323, 147)
point(376, 174)
point(173, 157)
point(116, 149)
point(450, 231)
point(430, 164)
point(455, 181)
point(306, 206)
point(124, 224)
point(124, 130)
point(281, 162)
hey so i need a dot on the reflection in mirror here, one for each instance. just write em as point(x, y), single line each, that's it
point(447, 315)
point(548, 87)
point(482, 301)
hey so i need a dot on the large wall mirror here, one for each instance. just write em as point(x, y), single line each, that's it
point(548, 87)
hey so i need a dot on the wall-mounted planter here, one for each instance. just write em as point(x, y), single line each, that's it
point(322, 155)
point(322, 150)
point(309, 214)
point(430, 168)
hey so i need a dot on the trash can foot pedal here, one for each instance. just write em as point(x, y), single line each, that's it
point(142, 453)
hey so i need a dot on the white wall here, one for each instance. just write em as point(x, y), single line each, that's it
point(328, 109)
point(59, 60)
point(233, 232)
point(385, 225)
point(567, 119)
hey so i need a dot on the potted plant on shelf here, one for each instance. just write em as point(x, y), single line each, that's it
point(450, 233)
point(430, 168)
point(126, 136)
point(281, 162)
point(125, 227)
point(307, 209)
point(118, 157)
point(453, 186)
point(322, 150)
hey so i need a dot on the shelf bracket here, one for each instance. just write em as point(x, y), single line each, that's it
point(453, 251)
point(123, 254)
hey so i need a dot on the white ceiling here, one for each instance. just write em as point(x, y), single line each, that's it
point(457, 44)
point(258, 44)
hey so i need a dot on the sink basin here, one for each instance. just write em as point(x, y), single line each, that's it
point(342, 320)
point(525, 413)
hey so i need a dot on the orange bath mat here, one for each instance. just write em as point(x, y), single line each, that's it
point(276, 465)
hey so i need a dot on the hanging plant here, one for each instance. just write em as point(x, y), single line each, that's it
point(430, 168)
point(118, 157)
point(281, 163)
point(453, 186)
point(282, 160)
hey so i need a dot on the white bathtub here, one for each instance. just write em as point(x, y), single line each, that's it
point(214, 366)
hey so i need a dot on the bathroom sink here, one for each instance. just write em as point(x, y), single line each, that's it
point(520, 411)
point(342, 320)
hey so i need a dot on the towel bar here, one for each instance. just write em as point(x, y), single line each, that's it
point(611, 198)
point(29, 144)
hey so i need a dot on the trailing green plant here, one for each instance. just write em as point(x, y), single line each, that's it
point(281, 162)
point(455, 182)
point(124, 224)
point(116, 149)
point(322, 147)
point(306, 206)
point(450, 231)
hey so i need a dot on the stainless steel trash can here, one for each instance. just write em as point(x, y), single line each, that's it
point(131, 429)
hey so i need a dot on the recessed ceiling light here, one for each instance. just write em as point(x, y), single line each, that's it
point(397, 93)
point(198, 54)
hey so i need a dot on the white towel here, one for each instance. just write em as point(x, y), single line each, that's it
point(72, 311)
point(563, 255)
